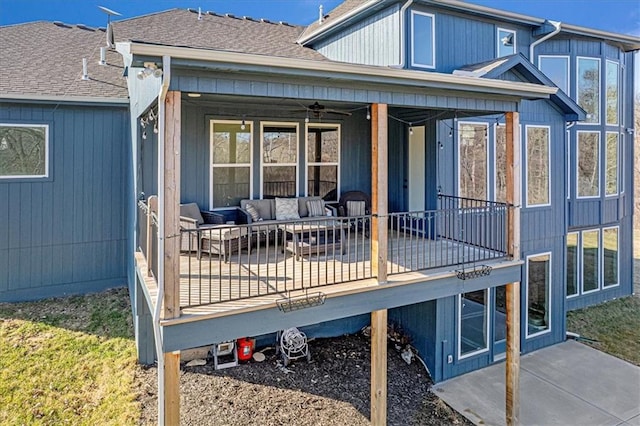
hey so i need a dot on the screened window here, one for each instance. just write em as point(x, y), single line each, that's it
point(231, 163)
point(323, 160)
point(611, 260)
point(473, 323)
point(501, 163)
point(572, 264)
point(537, 166)
point(472, 160)
point(24, 151)
point(557, 69)
point(589, 88)
point(423, 38)
point(588, 169)
point(611, 173)
point(590, 260)
point(506, 42)
point(538, 294)
point(279, 159)
point(612, 93)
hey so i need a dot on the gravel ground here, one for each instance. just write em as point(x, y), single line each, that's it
point(333, 389)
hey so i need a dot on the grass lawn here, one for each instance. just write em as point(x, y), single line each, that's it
point(68, 361)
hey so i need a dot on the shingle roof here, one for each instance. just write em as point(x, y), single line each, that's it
point(43, 58)
point(336, 13)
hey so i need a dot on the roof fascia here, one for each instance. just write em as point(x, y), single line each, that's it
point(358, 74)
point(63, 99)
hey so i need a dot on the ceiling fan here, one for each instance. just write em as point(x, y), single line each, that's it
point(319, 110)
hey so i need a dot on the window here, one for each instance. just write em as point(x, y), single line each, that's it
point(589, 88)
point(611, 260)
point(323, 160)
point(621, 166)
point(590, 261)
point(506, 42)
point(472, 160)
point(572, 264)
point(279, 159)
point(501, 163)
point(24, 151)
point(557, 69)
point(538, 294)
point(473, 324)
point(612, 93)
point(537, 166)
point(611, 157)
point(230, 162)
point(588, 169)
point(423, 40)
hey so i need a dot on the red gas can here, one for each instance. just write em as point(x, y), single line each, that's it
point(245, 348)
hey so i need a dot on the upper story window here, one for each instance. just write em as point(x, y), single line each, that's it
point(588, 164)
point(611, 164)
point(323, 160)
point(24, 151)
point(557, 69)
point(472, 160)
point(506, 42)
point(538, 166)
point(279, 159)
point(612, 93)
point(423, 40)
point(500, 149)
point(588, 82)
point(230, 162)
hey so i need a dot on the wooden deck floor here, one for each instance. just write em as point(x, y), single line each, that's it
point(267, 274)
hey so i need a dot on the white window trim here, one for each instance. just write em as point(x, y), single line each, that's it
point(474, 123)
point(291, 124)
point(506, 30)
point(599, 278)
point(568, 60)
point(578, 264)
point(212, 124)
point(577, 174)
point(312, 163)
point(606, 72)
point(487, 310)
point(46, 152)
point(568, 141)
point(526, 303)
point(526, 173)
point(617, 227)
point(433, 40)
point(621, 167)
point(577, 98)
point(606, 159)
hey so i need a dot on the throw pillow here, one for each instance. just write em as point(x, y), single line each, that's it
point(287, 209)
point(356, 208)
point(316, 208)
point(255, 216)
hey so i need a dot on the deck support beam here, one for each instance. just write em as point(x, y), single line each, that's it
point(513, 174)
point(170, 223)
point(379, 233)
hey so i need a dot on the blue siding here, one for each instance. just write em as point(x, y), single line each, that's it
point(67, 234)
point(419, 322)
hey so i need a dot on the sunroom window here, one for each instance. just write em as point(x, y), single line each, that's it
point(589, 88)
point(538, 294)
point(423, 40)
point(588, 160)
point(611, 258)
point(24, 151)
point(572, 263)
point(612, 93)
point(323, 160)
point(230, 163)
point(501, 163)
point(279, 159)
point(590, 260)
point(611, 176)
point(538, 166)
point(506, 42)
point(472, 160)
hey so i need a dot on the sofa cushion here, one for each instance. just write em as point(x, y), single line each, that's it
point(265, 208)
point(302, 205)
point(255, 216)
point(192, 211)
point(315, 208)
point(356, 208)
point(287, 209)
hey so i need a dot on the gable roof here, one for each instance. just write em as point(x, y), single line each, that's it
point(496, 68)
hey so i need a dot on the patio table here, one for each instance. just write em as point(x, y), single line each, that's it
point(306, 238)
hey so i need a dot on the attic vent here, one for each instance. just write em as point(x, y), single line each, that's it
point(230, 15)
point(266, 21)
point(85, 27)
point(286, 24)
point(192, 10)
point(213, 13)
point(61, 24)
point(249, 18)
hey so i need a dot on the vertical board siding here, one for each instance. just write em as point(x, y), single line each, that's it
point(373, 41)
point(419, 322)
point(67, 233)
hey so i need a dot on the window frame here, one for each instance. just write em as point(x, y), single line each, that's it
point(567, 59)
point(577, 97)
point(568, 142)
point(486, 153)
point(308, 163)
point(606, 163)
point(549, 294)
point(586, 197)
point(294, 125)
point(578, 263)
point(496, 126)
point(526, 154)
point(212, 123)
point(617, 228)
point(47, 150)
point(487, 321)
point(598, 261)
point(433, 40)
point(498, 40)
point(606, 91)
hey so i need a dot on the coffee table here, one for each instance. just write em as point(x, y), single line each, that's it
point(306, 238)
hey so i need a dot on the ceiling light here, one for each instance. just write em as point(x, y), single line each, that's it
point(194, 95)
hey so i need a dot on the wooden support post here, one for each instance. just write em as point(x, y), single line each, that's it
point(514, 172)
point(171, 223)
point(379, 368)
point(379, 191)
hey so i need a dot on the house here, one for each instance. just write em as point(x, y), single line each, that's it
point(496, 147)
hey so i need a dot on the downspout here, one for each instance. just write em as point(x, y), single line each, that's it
point(557, 25)
point(403, 38)
point(166, 80)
